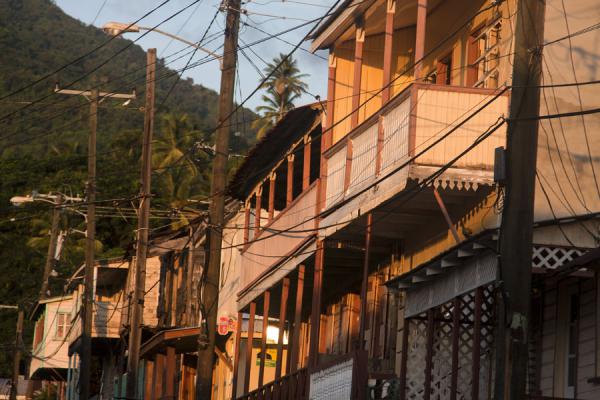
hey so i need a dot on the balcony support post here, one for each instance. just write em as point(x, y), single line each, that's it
point(149, 382)
point(257, 211)
point(236, 355)
point(249, 345)
point(429, 354)
point(159, 374)
point(247, 220)
point(420, 40)
point(358, 60)
point(315, 316)
point(364, 286)
point(289, 197)
point(297, 320)
point(455, 343)
point(272, 178)
point(476, 343)
point(282, 310)
point(387, 50)
point(348, 170)
point(404, 357)
point(380, 142)
point(170, 375)
point(329, 119)
point(263, 340)
point(306, 163)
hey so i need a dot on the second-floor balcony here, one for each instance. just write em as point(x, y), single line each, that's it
point(424, 128)
point(109, 280)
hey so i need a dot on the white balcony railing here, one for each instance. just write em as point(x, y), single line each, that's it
point(408, 124)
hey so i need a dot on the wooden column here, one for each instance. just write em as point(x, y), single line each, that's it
point(282, 310)
point(348, 170)
point(306, 163)
point(257, 211)
point(315, 315)
point(476, 344)
point(429, 354)
point(455, 348)
point(236, 354)
point(263, 340)
point(159, 376)
point(329, 120)
point(272, 178)
point(149, 381)
point(170, 374)
point(420, 40)
point(249, 347)
point(365, 283)
point(247, 220)
point(404, 358)
point(380, 143)
point(388, 50)
point(289, 195)
point(358, 61)
point(297, 321)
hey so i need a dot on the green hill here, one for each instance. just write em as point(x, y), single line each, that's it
point(43, 147)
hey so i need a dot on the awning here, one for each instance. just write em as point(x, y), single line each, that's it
point(457, 271)
point(184, 340)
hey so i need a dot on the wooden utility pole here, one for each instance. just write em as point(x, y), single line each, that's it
point(210, 298)
point(516, 232)
point(94, 96)
point(17, 352)
point(51, 256)
point(90, 241)
point(137, 309)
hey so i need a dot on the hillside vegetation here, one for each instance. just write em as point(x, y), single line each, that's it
point(43, 146)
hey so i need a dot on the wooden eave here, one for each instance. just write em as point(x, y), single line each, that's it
point(184, 340)
point(273, 147)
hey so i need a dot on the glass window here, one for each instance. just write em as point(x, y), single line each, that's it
point(63, 323)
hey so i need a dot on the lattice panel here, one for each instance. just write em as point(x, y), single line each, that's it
point(442, 354)
point(417, 350)
point(486, 375)
point(553, 257)
point(465, 347)
point(442, 350)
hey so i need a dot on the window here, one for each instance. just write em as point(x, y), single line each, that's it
point(444, 70)
point(571, 345)
point(63, 324)
point(483, 56)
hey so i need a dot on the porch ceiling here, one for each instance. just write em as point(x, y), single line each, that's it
point(485, 242)
point(402, 216)
point(339, 27)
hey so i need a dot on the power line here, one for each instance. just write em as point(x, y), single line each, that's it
point(80, 58)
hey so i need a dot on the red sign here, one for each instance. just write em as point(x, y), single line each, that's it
point(225, 325)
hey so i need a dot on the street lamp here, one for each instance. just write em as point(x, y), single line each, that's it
point(119, 28)
point(56, 237)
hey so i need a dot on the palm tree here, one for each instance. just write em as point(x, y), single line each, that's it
point(284, 85)
point(174, 142)
point(180, 178)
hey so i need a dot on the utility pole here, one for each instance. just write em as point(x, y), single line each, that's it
point(137, 311)
point(210, 298)
point(51, 256)
point(516, 232)
point(17, 354)
point(88, 281)
point(94, 96)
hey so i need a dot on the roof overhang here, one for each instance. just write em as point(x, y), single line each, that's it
point(183, 340)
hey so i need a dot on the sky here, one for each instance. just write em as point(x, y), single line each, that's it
point(270, 16)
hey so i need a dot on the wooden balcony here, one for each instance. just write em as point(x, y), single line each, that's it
point(268, 248)
point(343, 377)
point(386, 144)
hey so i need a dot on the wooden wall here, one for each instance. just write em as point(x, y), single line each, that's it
point(554, 333)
